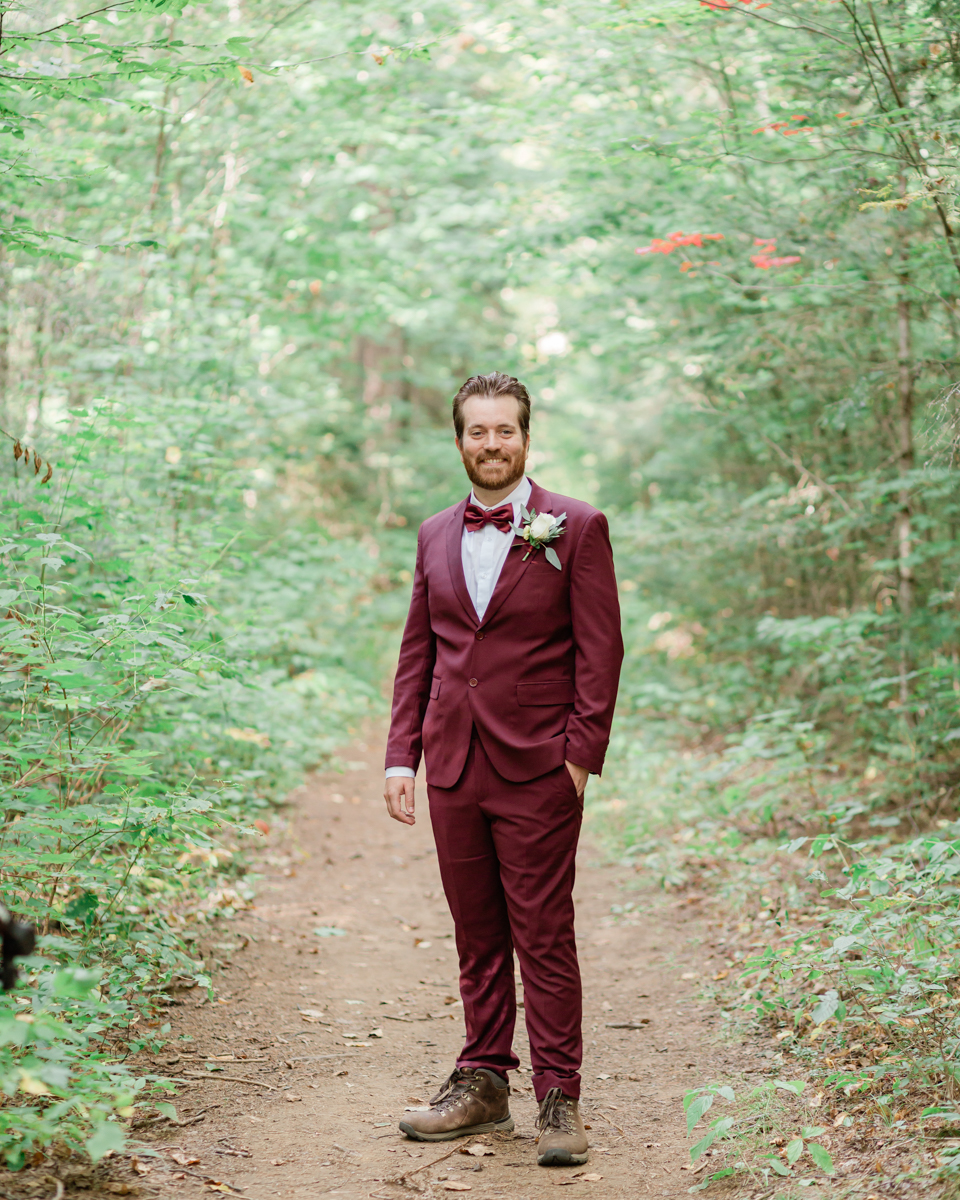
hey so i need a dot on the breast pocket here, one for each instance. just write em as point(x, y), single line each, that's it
point(549, 691)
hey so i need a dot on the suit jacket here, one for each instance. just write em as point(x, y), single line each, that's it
point(537, 676)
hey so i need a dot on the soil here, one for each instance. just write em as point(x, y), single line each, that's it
point(336, 1007)
point(318, 1040)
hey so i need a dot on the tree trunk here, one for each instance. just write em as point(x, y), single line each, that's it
point(905, 463)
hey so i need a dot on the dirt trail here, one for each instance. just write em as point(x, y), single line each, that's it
point(317, 1041)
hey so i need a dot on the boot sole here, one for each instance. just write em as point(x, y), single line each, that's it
point(504, 1126)
point(561, 1158)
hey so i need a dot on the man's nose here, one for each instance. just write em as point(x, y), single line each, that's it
point(492, 440)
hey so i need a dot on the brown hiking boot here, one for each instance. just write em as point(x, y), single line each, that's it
point(562, 1141)
point(471, 1101)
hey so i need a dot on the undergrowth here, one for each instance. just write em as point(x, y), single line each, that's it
point(165, 677)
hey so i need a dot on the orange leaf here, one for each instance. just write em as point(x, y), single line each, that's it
point(246, 73)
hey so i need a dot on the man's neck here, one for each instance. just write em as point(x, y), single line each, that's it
point(488, 498)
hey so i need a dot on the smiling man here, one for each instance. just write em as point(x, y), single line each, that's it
point(506, 682)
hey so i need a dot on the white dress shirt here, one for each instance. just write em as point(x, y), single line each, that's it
point(483, 553)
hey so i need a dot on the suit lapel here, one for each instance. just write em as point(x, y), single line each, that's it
point(455, 561)
point(515, 566)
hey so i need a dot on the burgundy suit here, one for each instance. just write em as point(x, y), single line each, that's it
point(496, 706)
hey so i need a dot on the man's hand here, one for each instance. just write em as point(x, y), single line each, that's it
point(579, 775)
point(398, 793)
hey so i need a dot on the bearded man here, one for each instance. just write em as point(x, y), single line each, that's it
point(506, 682)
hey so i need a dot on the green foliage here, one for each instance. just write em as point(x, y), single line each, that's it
point(249, 255)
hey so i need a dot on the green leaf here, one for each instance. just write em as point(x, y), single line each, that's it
point(784, 1085)
point(109, 1136)
point(75, 982)
point(704, 1144)
point(821, 1157)
point(696, 1110)
point(552, 558)
point(167, 1110)
point(726, 1092)
point(794, 1150)
point(778, 1166)
point(826, 1008)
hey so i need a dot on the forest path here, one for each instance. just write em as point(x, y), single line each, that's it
point(336, 1034)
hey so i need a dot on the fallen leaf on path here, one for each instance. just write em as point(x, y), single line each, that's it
point(566, 1182)
point(839, 1119)
point(478, 1150)
point(215, 1186)
point(692, 1169)
point(293, 1099)
point(589, 1177)
point(378, 1033)
point(689, 975)
point(721, 974)
point(454, 1185)
point(603, 1076)
point(141, 1168)
point(420, 944)
point(278, 1162)
point(119, 1189)
point(652, 1145)
point(184, 1160)
point(178, 1175)
point(313, 1015)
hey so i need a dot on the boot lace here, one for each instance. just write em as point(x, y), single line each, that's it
point(456, 1086)
point(554, 1112)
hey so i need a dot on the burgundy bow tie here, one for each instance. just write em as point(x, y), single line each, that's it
point(475, 517)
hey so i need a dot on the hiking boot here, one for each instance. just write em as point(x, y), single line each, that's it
point(471, 1101)
point(562, 1141)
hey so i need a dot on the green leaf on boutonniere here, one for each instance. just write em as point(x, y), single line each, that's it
point(552, 557)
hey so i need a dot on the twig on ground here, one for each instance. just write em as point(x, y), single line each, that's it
point(423, 1166)
point(58, 1195)
point(231, 1079)
point(613, 1123)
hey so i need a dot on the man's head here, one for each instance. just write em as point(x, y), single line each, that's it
point(491, 414)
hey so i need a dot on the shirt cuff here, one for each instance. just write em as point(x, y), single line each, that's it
point(401, 773)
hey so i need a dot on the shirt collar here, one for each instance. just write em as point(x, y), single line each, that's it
point(519, 495)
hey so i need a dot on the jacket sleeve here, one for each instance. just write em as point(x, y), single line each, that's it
point(598, 645)
point(411, 686)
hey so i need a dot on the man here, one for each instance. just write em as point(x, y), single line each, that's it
point(507, 681)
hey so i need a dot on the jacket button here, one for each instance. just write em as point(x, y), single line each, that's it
point(479, 635)
point(473, 683)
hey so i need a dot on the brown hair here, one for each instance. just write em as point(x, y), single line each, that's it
point(494, 384)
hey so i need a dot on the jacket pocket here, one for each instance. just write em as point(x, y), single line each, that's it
point(434, 689)
point(550, 691)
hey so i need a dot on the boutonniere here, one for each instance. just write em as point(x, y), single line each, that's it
point(538, 530)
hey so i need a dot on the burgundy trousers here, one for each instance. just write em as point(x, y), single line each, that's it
point(507, 855)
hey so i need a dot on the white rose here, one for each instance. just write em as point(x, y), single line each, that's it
point(540, 526)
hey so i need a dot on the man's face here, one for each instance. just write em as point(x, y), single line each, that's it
point(493, 449)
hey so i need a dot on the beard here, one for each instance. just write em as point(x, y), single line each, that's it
point(495, 473)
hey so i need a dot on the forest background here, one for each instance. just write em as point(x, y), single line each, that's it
point(249, 253)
